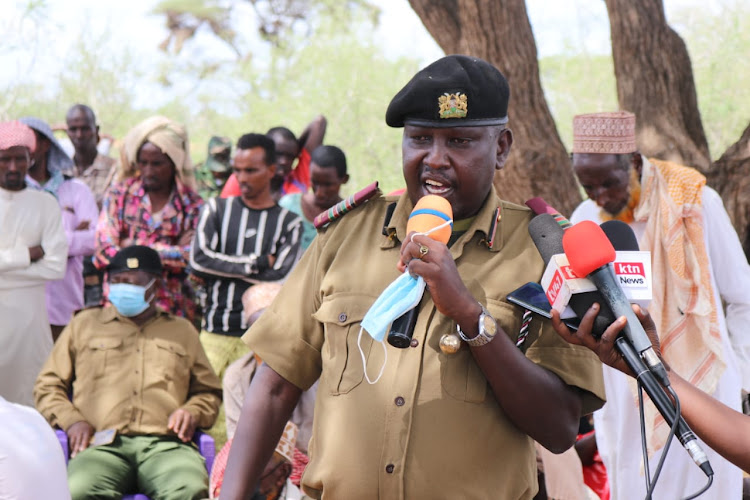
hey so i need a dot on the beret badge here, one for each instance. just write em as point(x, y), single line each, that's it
point(453, 105)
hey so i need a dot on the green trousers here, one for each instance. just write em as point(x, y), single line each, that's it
point(163, 468)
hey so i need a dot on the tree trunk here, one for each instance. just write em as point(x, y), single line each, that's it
point(730, 176)
point(655, 81)
point(500, 33)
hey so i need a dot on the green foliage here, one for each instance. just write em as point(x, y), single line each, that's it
point(718, 46)
point(331, 66)
point(717, 41)
point(575, 84)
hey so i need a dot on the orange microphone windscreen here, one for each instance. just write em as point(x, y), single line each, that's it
point(431, 211)
point(587, 248)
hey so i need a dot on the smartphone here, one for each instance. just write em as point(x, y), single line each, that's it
point(531, 296)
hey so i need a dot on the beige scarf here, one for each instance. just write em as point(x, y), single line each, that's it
point(683, 306)
point(169, 136)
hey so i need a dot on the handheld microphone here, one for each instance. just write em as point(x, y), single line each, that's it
point(547, 233)
point(539, 206)
point(621, 237)
point(589, 253)
point(662, 402)
point(430, 212)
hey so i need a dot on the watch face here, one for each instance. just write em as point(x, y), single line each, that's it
point(489, 325)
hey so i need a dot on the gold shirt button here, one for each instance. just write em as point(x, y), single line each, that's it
point(389, 468)
point(400, 401)
point(414, 343)
point(342, 317)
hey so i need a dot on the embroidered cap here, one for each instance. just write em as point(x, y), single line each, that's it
point(604, 133)
point(136, 258)
point(16, 133)
point(454, 91)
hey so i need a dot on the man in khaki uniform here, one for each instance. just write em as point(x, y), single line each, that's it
point(437, 424)
point(141, 386)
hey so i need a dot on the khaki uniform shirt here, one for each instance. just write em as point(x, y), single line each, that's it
point(127, 378)
point(431, 427)
point(98, 176)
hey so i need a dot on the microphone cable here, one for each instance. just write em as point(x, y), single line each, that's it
point(650, 485)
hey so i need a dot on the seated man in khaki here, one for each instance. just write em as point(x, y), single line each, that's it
point(141, 384)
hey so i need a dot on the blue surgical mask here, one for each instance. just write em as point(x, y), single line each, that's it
point(401, 296)
point(130, 300)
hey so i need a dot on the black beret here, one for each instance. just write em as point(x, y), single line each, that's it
point(136, 258)
point(455, 91)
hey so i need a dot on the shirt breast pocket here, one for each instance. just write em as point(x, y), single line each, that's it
point(171, 358)
point(460, 375)
point(341, 316)
point(104, 352)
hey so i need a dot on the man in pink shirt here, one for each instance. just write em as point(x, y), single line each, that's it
point(79, 216)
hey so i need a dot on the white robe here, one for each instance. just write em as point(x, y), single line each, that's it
point(32, 465)
point(27, 218)
point(617, 423)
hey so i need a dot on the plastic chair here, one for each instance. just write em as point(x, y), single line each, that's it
point(205, 443)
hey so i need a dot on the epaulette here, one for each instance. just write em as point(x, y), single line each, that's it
point(344, 206)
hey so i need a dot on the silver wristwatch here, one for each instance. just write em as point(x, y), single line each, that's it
point(487, 330)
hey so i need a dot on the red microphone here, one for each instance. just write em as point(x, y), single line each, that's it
point(589, 253)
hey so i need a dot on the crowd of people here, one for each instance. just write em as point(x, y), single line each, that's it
point(146, 300)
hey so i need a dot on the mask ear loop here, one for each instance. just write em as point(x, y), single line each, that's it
point(436, 228)
point(146, 288)
point(364, 361)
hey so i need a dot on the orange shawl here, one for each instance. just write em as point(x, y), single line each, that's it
point(683, 306)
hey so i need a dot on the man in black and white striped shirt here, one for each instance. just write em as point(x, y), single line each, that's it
point(241, 241)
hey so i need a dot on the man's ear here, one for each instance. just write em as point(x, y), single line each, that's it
point(637, 162)
point(345, 179)
point(504, 142)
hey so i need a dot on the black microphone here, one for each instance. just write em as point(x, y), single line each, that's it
point(623, 238)
point(662, 402)
point(402, 329)
point(589, 253)
point(620, 235)
point(547, 235)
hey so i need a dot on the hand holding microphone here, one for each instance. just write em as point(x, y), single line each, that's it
point(590, 252)
point(432, 217)
point(425, 254)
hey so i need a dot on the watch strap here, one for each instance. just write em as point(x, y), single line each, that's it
point(481, 338)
